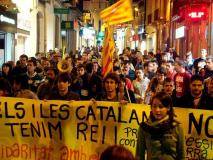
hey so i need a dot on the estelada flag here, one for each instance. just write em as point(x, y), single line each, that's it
point(119, 12)
point(107, 52)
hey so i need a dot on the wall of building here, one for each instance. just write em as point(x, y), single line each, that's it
point(159, 28)
point(95, 7)
point(29, 41)
point(49, 40)
point(33, 30)
point(151, 39)
point(197, 34)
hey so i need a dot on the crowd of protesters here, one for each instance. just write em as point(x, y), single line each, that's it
point(136, 77)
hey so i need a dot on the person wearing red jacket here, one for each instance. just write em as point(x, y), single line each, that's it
point(181, 80)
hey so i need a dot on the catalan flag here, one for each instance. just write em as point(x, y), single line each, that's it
point(108, 51)
point(119, 12)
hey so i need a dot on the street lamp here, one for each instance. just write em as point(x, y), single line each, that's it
point(136, 9)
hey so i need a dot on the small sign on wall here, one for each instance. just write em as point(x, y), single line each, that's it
point(180, 32)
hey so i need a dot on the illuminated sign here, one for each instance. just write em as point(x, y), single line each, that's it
point(23, 23)
point(196, 14)
point(88, 33)
point(180, 32)
point(67, 25)
point(7, 19)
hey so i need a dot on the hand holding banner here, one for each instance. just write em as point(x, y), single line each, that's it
point(60, 130)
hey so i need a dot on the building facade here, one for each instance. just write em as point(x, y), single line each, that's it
point(33, 27)
point(92, 33)
point(8, 27)
point(192, 26)
point(45, 26)
point(157, 24)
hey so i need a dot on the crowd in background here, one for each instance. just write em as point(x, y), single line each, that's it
point(162, 80)
point(136, 77)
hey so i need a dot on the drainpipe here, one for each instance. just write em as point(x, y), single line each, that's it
point(170, 23)
point(211, 30)
point(144, 15)
point(45, 30)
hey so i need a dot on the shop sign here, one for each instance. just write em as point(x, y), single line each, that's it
point(88, 33)
point(61, 10)
point(87, 16)
point(194, 12)
point(67, 25)
point(24, 24)
point(75, 24)
point(7, 19)
point(180, 32)
point(135, 37)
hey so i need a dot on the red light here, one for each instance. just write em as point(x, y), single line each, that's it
point(196, 14)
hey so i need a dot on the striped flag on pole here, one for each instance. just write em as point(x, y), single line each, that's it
point(119, 12)
point(107, 52)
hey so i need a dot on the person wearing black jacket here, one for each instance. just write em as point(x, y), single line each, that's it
point(49, 84)
point(63, 89)
point(209, 67)
point(21, 67)
point(195, 98)
point(111, 89)
point(209, 95)
point(7, 72)
point(202, 57)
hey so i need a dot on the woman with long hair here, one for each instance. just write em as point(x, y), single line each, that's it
point(7, 72)
point(161, 136)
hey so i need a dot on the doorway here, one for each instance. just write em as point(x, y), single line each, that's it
point(2, 48)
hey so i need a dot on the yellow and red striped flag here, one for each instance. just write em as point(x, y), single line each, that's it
point(119, 12)
point(107, 52)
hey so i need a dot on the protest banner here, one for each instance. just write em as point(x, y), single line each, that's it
point(81, 130)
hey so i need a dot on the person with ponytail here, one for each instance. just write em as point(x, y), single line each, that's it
point(161, 136)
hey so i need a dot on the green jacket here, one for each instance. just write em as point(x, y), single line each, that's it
point(160, 141)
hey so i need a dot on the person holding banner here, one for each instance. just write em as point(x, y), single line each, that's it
point(111, 87)
point(161, 136)
point(63, 89)
point(111, 82)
